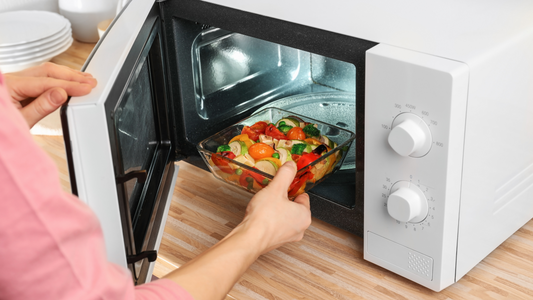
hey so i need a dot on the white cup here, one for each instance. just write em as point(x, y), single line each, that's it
point(84, 16)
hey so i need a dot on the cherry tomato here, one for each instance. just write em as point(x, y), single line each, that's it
point(272, 131)
point(307, 159)
point(296, 133)
point(221, 163)
point(260, 150)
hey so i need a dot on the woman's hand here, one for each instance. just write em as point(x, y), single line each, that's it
point(271, 215)
point(272, 219)
point(40, 90)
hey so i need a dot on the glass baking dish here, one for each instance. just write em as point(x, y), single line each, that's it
point(252, 179)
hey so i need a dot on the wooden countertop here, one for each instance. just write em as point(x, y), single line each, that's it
point(327, 264)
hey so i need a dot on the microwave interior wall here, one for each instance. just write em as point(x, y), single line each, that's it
point(223, 65)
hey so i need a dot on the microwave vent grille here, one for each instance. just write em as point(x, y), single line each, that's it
point(419, 264)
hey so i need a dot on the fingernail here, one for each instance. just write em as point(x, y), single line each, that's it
point(291, 162)
point(56, 97)
point(92, 81)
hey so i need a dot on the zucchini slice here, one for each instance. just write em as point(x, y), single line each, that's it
point(238, 148)
point(289, 121)
point(267, 166)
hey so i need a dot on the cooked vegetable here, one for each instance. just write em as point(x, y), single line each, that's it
point(287, 143)
point(245, 159)
point(275, 155)
point(243, 138)
point(298, 148)
point(265, 138)
point(310, 148)
point(274, 160)
point(325, 140)
point(272, 131)
point(306, 159)
point(267, 166)
point(221, 163)
point(296, 133)
point(313, 141)
point(261, 150)
point(300, 121)
point(248, 179)
point(238, 148)
point(259, 127)
point(251, 134)
point(285, 128)
point(288, 121)
point(298, 184)
point(238, 171)
point(255, 130)
point(223, 148)
point(311, 131)
point(284, 155)
point(320, 149)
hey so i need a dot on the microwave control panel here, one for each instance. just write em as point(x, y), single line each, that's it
point(415, 113)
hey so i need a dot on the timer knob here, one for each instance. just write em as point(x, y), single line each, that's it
point(407, 203)
point(410, 135)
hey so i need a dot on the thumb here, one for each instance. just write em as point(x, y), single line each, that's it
point(284, 177)
point(44, 105)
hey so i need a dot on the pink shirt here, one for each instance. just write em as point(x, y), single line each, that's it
point(51, 243)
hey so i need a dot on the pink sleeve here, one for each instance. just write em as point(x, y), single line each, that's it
point(51, 243)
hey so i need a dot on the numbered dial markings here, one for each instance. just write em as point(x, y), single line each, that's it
point(410, 136)
point(407, 203)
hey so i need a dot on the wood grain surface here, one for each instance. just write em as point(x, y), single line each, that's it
point(327, 264)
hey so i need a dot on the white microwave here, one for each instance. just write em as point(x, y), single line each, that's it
point(439, 95)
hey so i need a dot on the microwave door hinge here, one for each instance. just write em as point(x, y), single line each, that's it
point(139, 175)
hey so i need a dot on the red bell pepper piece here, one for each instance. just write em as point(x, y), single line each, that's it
point(247, 183)
point(259, 127)
point(306, 159)
point(221, 163)
point(299, 183)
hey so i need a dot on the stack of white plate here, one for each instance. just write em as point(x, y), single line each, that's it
point(29, 38)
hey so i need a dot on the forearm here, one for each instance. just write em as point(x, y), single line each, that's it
point(271, 220)
point(214, 272)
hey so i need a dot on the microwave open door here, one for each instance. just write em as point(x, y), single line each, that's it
point(118, 140)
point(154, 102)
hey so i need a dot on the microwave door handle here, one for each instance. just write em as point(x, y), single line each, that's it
point(140, 175)
point(150, 254)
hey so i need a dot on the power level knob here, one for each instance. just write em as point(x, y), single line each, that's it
point(410, 135)
point(407, 203)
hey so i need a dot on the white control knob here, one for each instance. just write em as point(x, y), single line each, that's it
point(410, 135)
point(407, 203)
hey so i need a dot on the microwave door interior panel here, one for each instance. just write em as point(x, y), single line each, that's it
point(441, 170)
